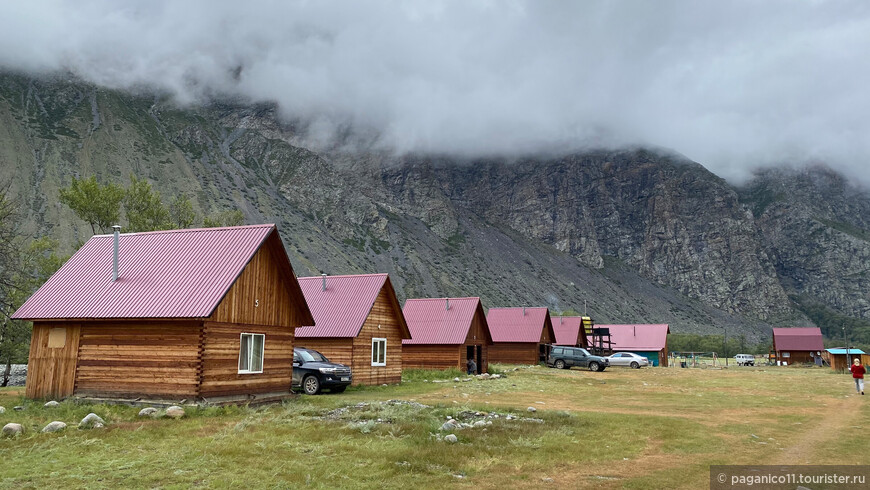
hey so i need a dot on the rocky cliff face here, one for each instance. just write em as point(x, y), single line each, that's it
point(637, 235)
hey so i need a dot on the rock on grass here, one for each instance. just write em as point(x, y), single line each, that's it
point(11, 429)
point(175, 412)
point(54, 426)
point(92, 421)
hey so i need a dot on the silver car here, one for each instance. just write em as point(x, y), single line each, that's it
point(628, 359)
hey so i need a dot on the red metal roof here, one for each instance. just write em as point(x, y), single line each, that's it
point(638, 337)
point(798, 339)
point(517, 324)
point(163, 274)
point(341, 309)
point(567, 329)
point(432, 322)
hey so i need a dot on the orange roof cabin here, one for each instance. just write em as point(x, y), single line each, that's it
point(357, 322)
point(446, 333)
point(796, 344)
point(201, 314)
point(519, 335)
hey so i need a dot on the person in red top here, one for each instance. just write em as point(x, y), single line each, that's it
point(858, 374)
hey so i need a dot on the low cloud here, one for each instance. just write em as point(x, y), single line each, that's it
point(733, 85)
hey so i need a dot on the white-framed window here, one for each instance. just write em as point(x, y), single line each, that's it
point(379, 352)
point(786, 354)
point(251, 353)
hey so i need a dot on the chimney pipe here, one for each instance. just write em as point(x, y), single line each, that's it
point(524, 311)
point(324, 281)
point(446, 303)
point(117, 229)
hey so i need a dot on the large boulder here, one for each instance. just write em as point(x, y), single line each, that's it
point(175, 412)
point(54, 426)
point(12, 429)
point(92, 421)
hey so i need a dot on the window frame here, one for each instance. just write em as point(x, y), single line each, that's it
point(378, 341)
point(250, 353)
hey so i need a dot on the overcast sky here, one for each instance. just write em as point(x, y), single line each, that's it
point(731, 84)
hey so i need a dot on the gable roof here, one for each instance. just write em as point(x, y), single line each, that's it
point(342, 309)
point(567, 329)
point(162, 274)
point(518, 324)
point(640, 336)
point(798, 339)
point(432, 322)
point(842, 351)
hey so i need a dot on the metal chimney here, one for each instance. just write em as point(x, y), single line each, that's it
point(524, 311)
point(117, 229)
point(446, 303)
point(324, 281)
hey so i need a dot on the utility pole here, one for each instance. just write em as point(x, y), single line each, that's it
point(846, 346)
point(725, 344)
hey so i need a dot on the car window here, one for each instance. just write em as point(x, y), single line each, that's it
point(557, 351)
point(582, 352)
point(311, 356)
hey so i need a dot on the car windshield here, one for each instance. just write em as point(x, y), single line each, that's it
point(312, 356)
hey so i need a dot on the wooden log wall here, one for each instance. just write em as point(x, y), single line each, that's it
point(513, 352)
point(52, 365)
point(382, 322)
point(139, 358)
point(433, 356)
point(338, 350)
point(220, 360)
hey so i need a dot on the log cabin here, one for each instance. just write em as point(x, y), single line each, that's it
point(446, 333)
point(519, 335)
point(840, 359)
point(358, 322)
point(648, 340)
point(796, 345)
point(198, 314)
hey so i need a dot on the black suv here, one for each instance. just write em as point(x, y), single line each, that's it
point(565, 357)
point(312, 371)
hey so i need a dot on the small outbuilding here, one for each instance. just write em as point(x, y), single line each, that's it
point(838, 360)
point(520, 335)
point(446, 333)
point(182, 314)
point(358, 322)
point(568, 330)
point(648, 340)
point(796, 344)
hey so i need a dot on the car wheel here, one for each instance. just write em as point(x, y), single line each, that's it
point(635, 365)
point(311, 385)
point(560, 364)
point(338, 389)
point(594, 367)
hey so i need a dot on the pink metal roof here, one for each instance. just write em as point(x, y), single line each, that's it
point(567, 329)
point(341, 309)
point(432, 322)
point(798, 339)
point(163, 274)
point(642, 337)
point(517, 325)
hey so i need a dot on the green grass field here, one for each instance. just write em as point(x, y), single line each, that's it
point(648, 428)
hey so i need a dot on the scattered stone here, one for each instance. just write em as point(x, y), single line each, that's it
point(51, 404)
point(547, 480)
point(147, 412)
point(451, 425)
point(402, 463)
point(532, 409)
point(175, 412)
point(495, 376)
point(753, 436)
point(2, 409)
point(489, 422)
point(455, 380)
point(12, 429)
point(54, 426)
point(18, 408)
point(540, 403)
point(451, 438)
point(384, 385)
point(92, 421)
point(509, 417)
point(480, 423)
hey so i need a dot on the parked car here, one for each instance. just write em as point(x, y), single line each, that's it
point(745, 359)
point(565, 357)
point(312, 372)
point(628, 359)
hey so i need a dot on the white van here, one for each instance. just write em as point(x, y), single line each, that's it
point(745, 359)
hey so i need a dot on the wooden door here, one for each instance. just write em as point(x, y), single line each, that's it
point(51, 370)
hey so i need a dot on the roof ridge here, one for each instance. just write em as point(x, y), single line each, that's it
point(376, 274)
point(189, 230)
point(442, 298)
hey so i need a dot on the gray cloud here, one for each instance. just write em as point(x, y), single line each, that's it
point(732, 85)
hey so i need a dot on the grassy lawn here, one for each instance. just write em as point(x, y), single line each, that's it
point(648, 428)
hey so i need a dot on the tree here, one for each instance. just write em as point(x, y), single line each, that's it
point(181, 212)
point(99, 205)
point(145, 211)
point(225, 218)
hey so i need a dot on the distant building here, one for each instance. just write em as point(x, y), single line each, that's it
point(567, 330)
point(837, 359)
point(648, 340)
point(357, 322)
point(446, 333)
point(520, 335)
point(796, 344)
point(193, 314)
